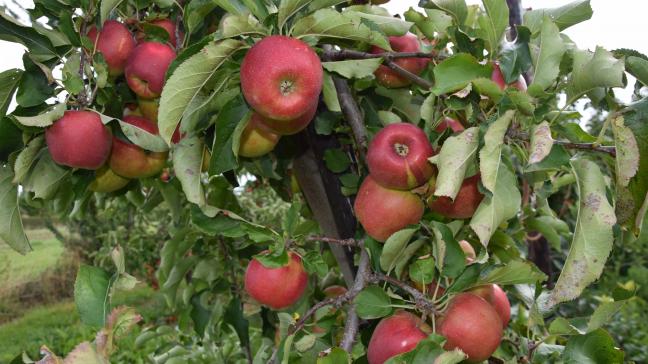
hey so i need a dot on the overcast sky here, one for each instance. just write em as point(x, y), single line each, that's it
point(615, 24)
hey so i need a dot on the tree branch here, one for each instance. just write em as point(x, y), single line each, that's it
point(407, 74)
point(352, 322)
point(421, 301)
point(346, 54)
point(346, 242)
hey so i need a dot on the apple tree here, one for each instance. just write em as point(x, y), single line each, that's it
point(421, 175)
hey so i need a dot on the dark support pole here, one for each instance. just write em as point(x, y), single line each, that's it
point(515, 16)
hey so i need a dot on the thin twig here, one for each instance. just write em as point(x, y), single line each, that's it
point(345, 54)
point(408, 75)
point(346, 242)
point(422, 302)
point(82, 98)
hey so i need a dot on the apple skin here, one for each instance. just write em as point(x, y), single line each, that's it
point(397, 157)
point(290, 127)
point(168, 25)
point(449, 123)
point(107, 181)
point(149, 108)
point(383, 211)
point(395, 335)
point(281, 77)
point(472, 325)
point(496, 296)
point(406, 43)
point(146, 68)
point(276, 288)
point(131, 161)
point(115, 42)
point(79, 140)
point(498, 78)
point(465, 203)
point(257, 139)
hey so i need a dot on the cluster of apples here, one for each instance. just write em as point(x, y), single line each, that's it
point(281, 79)
point(385, 76)
point(80, 140)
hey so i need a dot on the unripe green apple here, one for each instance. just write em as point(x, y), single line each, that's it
point(276, 288)
point(149, 108)
point(256, 139)
point(107, 181)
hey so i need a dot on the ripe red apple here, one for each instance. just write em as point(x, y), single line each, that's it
point(257, 139)
point(395, 335)
point(397, 157)
point(498, 78)
point(169, 26)
point(107, 181)
point(146, 68)
point(449, 123)
point(115, 42)
point(290, 127)
point(406, 43)
point(472, 325)
point(281, 77)
point(465, 203)
point(79, 140)
point(129, 160)
point(149, 108)
point(496, 296)
point(277, 288)
point(383, 211)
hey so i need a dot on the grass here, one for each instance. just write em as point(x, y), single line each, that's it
point(18, 269)
point(58, 327)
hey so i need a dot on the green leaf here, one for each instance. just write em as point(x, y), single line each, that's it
point(355, 68)
point(290, 219)
point(91, 294)
point(388, 25)
point(564, 16)
point(541, 143)
point(450, 258)
point(514, 272)
point(40, 47)
point(195, 13)
point(515, 57)
point(11, 138)
point(593, 237)
point(372, 303)
point(235, 25)
point(487, 87)
point(234, 316)
point(546, 53)
point(394, 247)
point(288, 8)
point(456, 155)
point(456, 72)
point(47, 118)
point(143, 138)
point(187, 81)
point(330, 94)
point(490, 157)
point(636, 119)
point(336, 160)
point(314, 263)
point(26, 158)
point(594, 348)
point(188, 159)
point(429, 350)
point(593, 70)
point(544, 225)
point(493, 24)
point(335, 355)
point(455, 8)
point(11, 227)
point(234, 113)
point(604, 314)
point(328, 23)
point(627, 152)
point(637, 67)
point(503, 205)
point(406, 255)
point(46, 177)
point(9, 80)
point(106, 7)
point(422, 270)
point(437, 21)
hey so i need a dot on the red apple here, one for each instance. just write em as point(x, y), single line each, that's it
point(129, 160)
point(395, 335)
point(398, 157)
point(449, 123)
point(146, 68)
point(277, 288)
point(406, 43)
point(498, 78)
point(257, 139)
point(290, 127)
point(496, 296)
point(383, 211)
point(107, 181)
point(465, 203)
point(472, 325)
point(115, 42)
point(169, 26)
point(79, 140)
point(281, 77)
